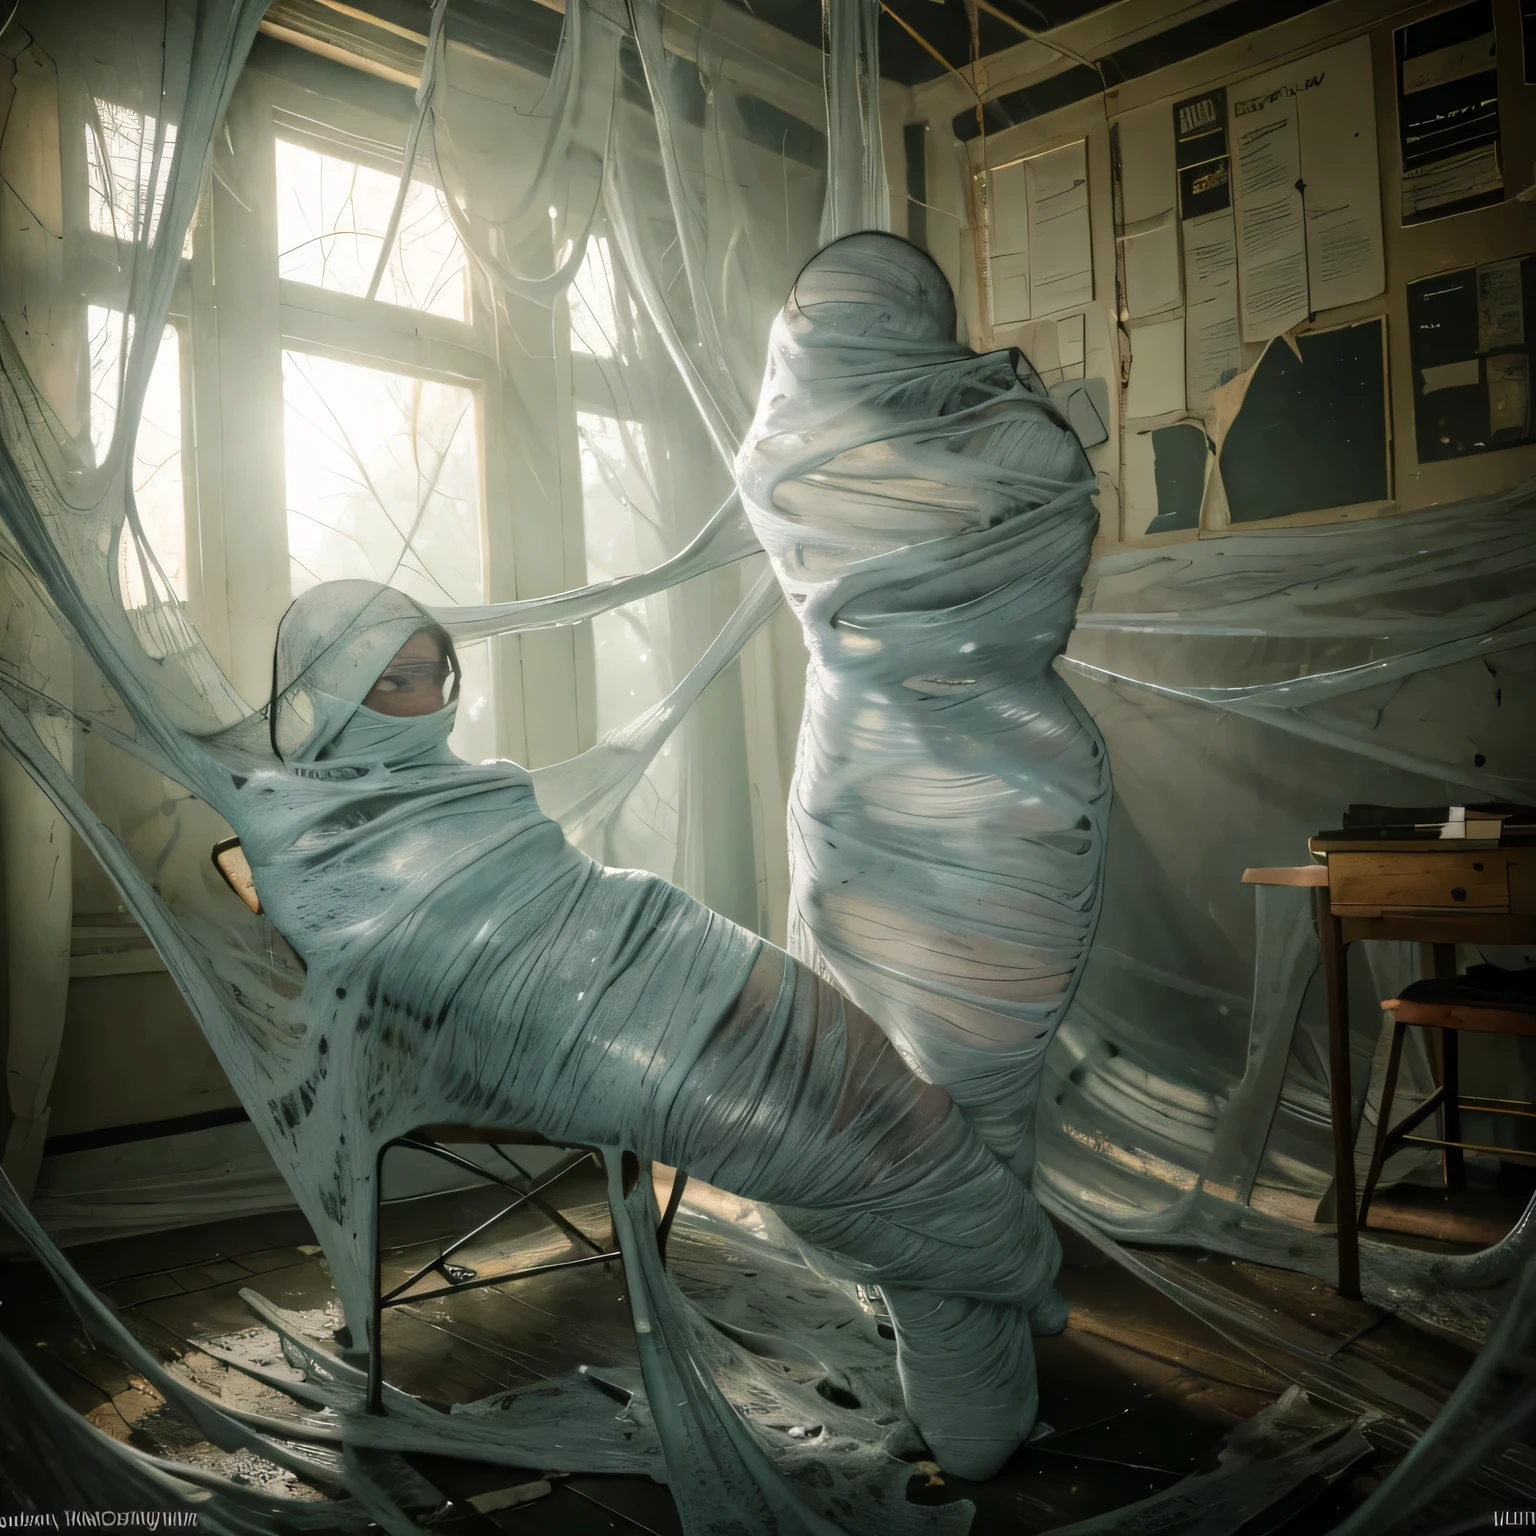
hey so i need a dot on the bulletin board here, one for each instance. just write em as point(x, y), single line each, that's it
point(1313, 431)
point(1469, 343)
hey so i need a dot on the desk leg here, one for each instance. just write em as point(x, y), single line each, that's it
point(1336, 985)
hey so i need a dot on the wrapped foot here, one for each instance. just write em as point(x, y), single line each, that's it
point(967, 1373)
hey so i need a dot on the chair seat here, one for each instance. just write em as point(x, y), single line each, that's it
point(1482, 986)
point(1471, 1019)
point(1486, 1000)
point(487, 1135)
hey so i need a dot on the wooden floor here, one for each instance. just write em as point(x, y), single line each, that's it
point(1135, 1395)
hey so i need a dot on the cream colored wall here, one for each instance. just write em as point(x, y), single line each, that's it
point(132, 1055)
point(1507, 229)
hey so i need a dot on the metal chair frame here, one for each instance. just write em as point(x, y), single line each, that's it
point(456, 1277)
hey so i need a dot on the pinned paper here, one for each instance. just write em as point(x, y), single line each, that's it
point(1308, 198)
point(1449, 375)
point(1500, 305)
point(1039, 251)
point(1148, 193)
point(1448, 112)
point(1509, 393)
point(1060, 250)
point(1213, 349)
point(1157, 369)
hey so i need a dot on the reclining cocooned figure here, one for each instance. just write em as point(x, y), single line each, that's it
point(465, 963)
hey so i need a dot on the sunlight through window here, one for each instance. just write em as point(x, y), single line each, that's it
point(594, 323)
point(630, 644)
point(157, 468)
point(332, 215)
point(119, 168)
point(383, 476)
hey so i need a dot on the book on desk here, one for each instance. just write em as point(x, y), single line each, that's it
point(1369, 827)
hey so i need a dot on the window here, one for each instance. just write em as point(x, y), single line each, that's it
point(382, 457)
point(630, 644)
point(158, 489)
point(332, 216)
point(383, 482)
point(383, 479)
point(119, 167)
point(338, 436)
point(594, 320)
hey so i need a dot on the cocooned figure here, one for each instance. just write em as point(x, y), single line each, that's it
point(467, 964)
point(928, 514)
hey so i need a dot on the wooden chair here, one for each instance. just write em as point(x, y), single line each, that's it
point(436, 1141)
point(1481, 1002)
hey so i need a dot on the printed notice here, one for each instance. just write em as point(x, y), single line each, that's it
point(1341, 189)
point(1307, 193)
point(1007, 244)
point(1470, 351)
point(1213, 351)
point(1150, 234)
point(1060, 251)
point(1271, 227)
point(1039, 255)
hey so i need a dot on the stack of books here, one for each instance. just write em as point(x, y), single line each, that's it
point(1471, 826)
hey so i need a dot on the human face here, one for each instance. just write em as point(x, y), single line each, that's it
point(416, 681)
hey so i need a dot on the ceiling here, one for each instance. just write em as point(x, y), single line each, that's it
point(943, 29)
point(920, 40)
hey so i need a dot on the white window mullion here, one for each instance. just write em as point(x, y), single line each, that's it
point(248, 404)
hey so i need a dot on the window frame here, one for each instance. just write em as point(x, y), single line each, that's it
point(287, 315)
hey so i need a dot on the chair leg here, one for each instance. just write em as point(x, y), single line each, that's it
point(1454, 1161)
point(675, 1199)
point(1381, 1150)
point(373, 1402)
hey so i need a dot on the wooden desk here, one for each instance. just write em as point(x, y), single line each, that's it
point(1441, 893)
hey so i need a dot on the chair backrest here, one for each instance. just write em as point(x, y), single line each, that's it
point(230, 861)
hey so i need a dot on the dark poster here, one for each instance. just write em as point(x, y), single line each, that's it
point(1200, 154)
point(1469, 344)
point(1312, 432)
point(1448, 113)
